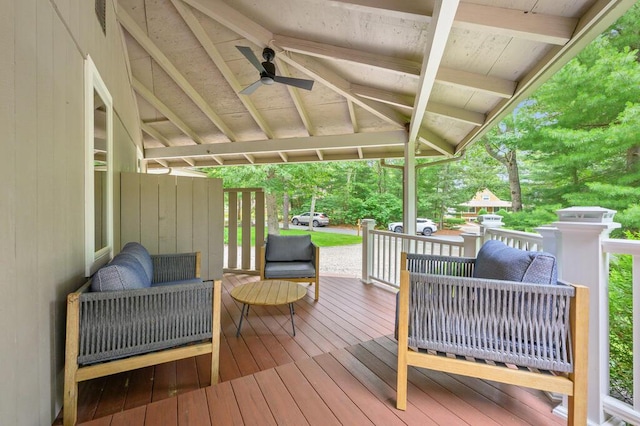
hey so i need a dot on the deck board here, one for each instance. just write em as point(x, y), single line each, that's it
point(340, 368)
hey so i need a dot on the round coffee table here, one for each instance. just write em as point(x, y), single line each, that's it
point(268, 293)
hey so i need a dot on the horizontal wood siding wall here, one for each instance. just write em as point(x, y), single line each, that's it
point(173, 214)
point(43, 44)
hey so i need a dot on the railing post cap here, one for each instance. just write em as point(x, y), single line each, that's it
point(591, 214)
point(368, 221)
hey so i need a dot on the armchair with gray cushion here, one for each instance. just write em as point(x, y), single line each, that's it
point(291, 258)
point(502, 316)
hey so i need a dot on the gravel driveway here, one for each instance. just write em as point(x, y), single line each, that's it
point(341, 260)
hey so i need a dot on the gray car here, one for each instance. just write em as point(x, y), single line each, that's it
point(319, 219)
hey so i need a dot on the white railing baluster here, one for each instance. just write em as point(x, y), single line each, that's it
point(612, 405)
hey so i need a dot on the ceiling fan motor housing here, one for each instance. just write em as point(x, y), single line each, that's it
point(270, 72)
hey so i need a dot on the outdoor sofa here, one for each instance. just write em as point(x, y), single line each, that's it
point(137, 311)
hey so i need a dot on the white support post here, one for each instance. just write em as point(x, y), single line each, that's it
point(582, 261)
point(367, 249)
point(549, 240)
point(409, 206)
point(472, 243)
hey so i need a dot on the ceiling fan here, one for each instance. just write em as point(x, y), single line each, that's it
point(268, 71)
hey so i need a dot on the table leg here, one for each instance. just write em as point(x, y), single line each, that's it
point(244, 306)
point(291, 312)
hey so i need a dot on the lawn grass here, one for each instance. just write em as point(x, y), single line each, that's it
point(321, 239)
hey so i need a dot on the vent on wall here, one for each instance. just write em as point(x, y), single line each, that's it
point(101, 13)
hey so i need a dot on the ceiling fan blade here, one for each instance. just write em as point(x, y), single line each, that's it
point(248, 53)
point(296, 82)
point(252, 88)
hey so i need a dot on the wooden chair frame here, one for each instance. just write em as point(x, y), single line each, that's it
point(75, 373)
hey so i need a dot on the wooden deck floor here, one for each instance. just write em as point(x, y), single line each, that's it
point(338, 369)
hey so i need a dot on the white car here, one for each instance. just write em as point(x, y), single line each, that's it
point(319, 219)
point(423, 226)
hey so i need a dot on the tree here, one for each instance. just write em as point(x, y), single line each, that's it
point(502, 143)
point(588, 125)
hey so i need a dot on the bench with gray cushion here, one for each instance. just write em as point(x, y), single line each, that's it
point(291, 258)
point(139, 310)
point(502, 316)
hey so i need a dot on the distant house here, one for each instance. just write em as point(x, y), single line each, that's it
point(486, 200)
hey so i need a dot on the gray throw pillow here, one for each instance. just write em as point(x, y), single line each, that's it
point(122, 273)
point(498, 261)
point(138, 251)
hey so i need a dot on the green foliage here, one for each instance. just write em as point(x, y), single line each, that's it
point(453, 222)
point(326, 239)
point(482, 211)
point(502, 212)
point(630, 218)
point(321, 239)
point(527, 220)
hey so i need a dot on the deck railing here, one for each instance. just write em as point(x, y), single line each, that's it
point(385, 248)
point(381, 249)
point(516, 239)
point(244, 210)
point(627, 407)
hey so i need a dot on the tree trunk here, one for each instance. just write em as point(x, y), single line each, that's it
point(514, 182)
point(285, 211)
point(633, 158)
point(273, 227)
point(510, 161)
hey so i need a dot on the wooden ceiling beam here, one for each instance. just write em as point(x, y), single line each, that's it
point(205, 41)
point(295, 97)
point(492, 85)
point(343, 87)
point(437, 36)
point(352, 116)
point(232, 19)
point(378, 139)
point(523, 24)
point(435, 141)
point(155, 134)
point(148, 96)
point(161, 59)
point(400, 101)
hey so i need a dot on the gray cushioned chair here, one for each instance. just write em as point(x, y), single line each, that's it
point(291, 258)
point(506, 307)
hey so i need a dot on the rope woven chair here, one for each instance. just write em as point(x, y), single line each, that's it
point(108, 332)
point(524, 330)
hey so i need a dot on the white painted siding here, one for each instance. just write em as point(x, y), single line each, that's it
point(43, 44)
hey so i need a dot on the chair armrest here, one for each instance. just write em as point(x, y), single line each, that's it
point(315, 257)
point(175, 267)
point(263, 258)
point(116, 324)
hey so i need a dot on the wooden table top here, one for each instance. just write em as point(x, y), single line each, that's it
point(269, 292)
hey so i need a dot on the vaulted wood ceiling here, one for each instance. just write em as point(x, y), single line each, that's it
point(437, 72)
